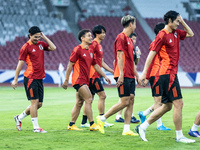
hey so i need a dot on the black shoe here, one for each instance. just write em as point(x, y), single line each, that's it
point(119, 120)
point(134, 120)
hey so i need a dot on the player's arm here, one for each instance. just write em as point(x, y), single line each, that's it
point(51, 47)
point(146, 66)
point(68, 72)
point(186, 28)
point(136, 73)
point(18, 69)
point(120, 66)
point(99, 71)
point(105, 66)
point(138, 53)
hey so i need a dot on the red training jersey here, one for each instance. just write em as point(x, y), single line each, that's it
point(33, 54)
point(124, 43)
point(167, 45)
point(98, 55)
point(83, 59)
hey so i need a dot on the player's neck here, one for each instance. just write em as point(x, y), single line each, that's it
point(84, 45)
point(168, 28)
point(127, 31)
point(98, 40)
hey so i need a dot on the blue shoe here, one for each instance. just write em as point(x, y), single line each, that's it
point(134, 120)
point(142, 117)
point(119, 120)
point(163, 128)
point(194, 133)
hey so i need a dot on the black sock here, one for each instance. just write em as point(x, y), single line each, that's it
point(101, 114)
point(71, 123)
point(91, 123)
point(84, 120)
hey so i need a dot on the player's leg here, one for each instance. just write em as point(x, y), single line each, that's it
point(84, 123)
point(157, 104)
point(119, 116)
point(86, 95)
point(156, 114)
point(194, 130)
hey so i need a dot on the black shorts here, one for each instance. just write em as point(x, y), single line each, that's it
point(34, 88)
point(155, 87)
point(127, 88)
point(77, 86)
point(170, 88)
point(95, 86)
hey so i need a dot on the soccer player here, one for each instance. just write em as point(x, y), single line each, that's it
point(81, 59)
point(124, 74)
point(152, 76)
point(167, 46)
point(32, 52)
point(194, 130)
point(95, 85)
point(137, 54)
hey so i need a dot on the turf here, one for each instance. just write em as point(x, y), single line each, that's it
point(55, 114)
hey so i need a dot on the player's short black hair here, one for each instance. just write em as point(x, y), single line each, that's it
point(33, 30)
point(133, 34)
point(159, 26)
point(98, 29)
point(170, 15)
point(82, 33)
point(126, 20)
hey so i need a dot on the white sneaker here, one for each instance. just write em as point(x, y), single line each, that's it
point(86, 125)
point(183, 139)
point(108, 125)
point(18, 123)
point(141, 133)
point(39, 130)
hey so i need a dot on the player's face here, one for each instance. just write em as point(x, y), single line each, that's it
point(133, 26)
point(134, 39)
point(175, 23)
point(102, 35)
point(35, 38)
point(88, 38)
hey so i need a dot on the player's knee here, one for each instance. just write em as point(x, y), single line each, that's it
point(102, 96)
point(39, 105)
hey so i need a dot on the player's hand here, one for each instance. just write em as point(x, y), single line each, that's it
point(42, 35)
point(65, 84)
point(180, 19)
point(146, 81)
point(108, 80)
point(141, 79)
point(120, 80)
point(14, 84)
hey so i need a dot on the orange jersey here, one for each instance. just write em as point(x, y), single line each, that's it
point(98, 55)
point(124, 43)
point(154, 66)
point(83, 59)
point(167, 46)
point(33, 54)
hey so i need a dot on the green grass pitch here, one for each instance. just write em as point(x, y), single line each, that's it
point(55, 114)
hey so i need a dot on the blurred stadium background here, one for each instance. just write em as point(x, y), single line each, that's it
point(61, 20)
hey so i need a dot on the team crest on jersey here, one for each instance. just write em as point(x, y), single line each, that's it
point(41, 47)
point(175, 34)
point(91, 54)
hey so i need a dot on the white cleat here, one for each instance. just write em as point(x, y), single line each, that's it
point(183, 139)
point(86, 125)
point(141, 133)
point(108, 125)
point(18, 123)
point(39, 130)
